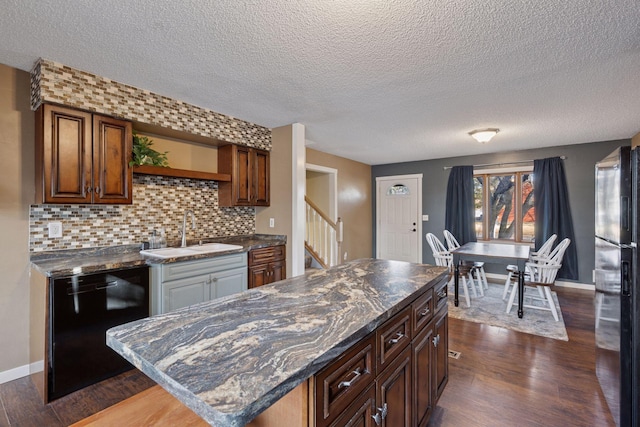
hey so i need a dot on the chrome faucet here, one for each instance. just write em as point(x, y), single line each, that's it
point(184, 226)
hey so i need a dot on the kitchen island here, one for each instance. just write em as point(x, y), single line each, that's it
point(230, 359)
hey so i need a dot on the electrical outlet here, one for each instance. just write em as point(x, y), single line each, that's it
point(272, 222)
point(55, 229)
point(345, 256)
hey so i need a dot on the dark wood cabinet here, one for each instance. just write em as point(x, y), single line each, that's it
point(339, 385)
point(392, 337)
point(82, 157)
point(423, 401)
point(441, 353)
point(339, 388)
point(430, 356)
point(393, 392)
point(267, 265)
point(250, 174)
point(411, 370)
point(361, 413)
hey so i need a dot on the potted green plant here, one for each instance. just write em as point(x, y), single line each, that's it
point(143, 154)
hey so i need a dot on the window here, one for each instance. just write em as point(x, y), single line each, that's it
point(504, 205)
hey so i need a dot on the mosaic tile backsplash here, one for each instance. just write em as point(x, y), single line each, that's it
point(60, 84)
point(158, 202)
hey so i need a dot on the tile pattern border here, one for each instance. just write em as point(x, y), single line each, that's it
point(52, 82)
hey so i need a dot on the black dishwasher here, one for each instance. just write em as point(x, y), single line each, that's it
point(82, 308)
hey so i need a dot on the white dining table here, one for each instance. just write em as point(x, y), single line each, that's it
point(499, 253)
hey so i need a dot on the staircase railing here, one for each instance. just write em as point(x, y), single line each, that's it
point(323, 237)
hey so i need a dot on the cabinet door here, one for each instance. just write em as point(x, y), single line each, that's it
point(185, 292)
point(441, 353)
point(423, 348)
point(394, 392)
point(228, 282)
point(260, 178)
point(64, 157)
point(235, 160)
point(250, 175)
point(112, 145)
point(258, 275)
point(278, 271)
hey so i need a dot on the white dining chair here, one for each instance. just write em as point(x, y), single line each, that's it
point(512, 270)
point(541, 276)
point(444, 258)
point(476, 266)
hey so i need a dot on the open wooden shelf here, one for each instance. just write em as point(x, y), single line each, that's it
point(181, 173)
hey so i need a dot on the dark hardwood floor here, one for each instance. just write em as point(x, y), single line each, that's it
point(502, 378)
point(506, 378)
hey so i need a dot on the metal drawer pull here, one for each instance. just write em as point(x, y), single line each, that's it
point(424, 312)
point(436, 340)
point(399, 336)
point(442, 294)
point(107, 285)
point(349, 383)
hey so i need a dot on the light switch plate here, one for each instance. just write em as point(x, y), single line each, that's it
point(272, 222)
point(55, 229)
point(425, 217)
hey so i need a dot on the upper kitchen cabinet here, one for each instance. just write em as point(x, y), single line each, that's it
point(249, 170)
point(82, 157)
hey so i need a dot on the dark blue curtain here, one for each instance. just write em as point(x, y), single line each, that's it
point(553, 212)
point(459, 217)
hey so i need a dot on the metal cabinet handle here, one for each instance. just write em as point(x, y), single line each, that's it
point(376, 418)
point(424, 312)
point(442, 294)
point(380, 415)
point(97, 190)
point(399, 336)
point(383, 411)
point(436, 340)
point(349, 383)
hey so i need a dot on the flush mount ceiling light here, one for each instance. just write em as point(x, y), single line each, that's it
point(484, 135)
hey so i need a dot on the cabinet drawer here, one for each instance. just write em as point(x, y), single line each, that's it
point(422, 309)
point(337, 385)
point(262, 255)
point(361, 412)
point(393, 337)
point(180, 270)
point(440, 293)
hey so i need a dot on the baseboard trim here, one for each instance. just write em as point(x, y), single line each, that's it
point(21, 371)
point(559, 283)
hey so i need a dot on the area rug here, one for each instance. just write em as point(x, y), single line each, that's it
point(490, 309)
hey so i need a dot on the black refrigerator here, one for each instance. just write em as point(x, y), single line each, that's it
point(617, 282)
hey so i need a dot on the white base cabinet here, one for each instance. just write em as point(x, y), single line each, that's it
point(182, 284)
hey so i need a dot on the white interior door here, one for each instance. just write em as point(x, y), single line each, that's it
point(398, 213)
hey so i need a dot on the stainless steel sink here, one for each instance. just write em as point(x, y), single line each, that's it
point(189, 250)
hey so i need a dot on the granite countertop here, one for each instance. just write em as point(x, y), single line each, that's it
point(230, 359)
point(83, 261)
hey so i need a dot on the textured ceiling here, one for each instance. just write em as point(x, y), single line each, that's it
point(378, 81)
